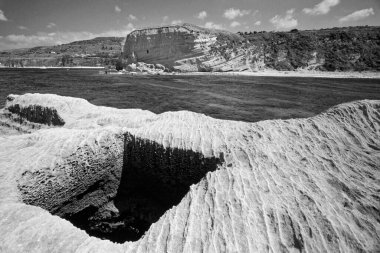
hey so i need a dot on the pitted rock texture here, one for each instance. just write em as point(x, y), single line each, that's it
point(87, 174)
point(309, 185)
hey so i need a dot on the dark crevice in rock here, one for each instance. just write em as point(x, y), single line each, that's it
point(96, 186)
point(37, 114)
point(153, 180)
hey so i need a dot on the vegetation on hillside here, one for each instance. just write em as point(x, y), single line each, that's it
point(102, 51)
point(336, 49)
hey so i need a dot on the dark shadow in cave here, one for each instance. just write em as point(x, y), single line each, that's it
point(153, 180)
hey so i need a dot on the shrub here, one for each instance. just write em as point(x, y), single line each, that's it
point(119, 65)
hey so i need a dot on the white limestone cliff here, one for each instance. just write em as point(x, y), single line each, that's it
point(309, 185)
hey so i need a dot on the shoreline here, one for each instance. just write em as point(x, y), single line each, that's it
point(268, 73)
point(313, 74)
point(271, 73)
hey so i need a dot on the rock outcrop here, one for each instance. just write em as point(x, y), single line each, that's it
point(142, 67)
point(182, 47)
point(185, 182)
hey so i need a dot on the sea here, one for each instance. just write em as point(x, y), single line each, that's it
point(242, 98)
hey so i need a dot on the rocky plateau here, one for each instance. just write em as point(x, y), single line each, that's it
point(75, 177)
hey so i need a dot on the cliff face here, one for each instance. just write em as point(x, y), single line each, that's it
point(185, 182)
point(161, 45)
point(179, 47)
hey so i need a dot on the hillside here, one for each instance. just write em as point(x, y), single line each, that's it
point(100, 51)
point(343, 49)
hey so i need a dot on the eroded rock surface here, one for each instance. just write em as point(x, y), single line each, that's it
point(306, 185)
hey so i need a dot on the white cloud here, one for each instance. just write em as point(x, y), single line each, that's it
point(321, 8)
point(257, 23)
point(234, 13)
point(21, 27)
point(117, 8)
point(47, 39)
point(358, 15)
point(165, 18)
point(235, 24)
point(284, 22)
point(132, 17)
point(177, 22)
point(212, 25)
point(202, 15)
point(51, 25)
point(2, 16)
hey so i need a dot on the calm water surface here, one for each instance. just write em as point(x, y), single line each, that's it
point(225, 97)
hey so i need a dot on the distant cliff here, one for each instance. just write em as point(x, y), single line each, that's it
point(100, 51)
point(191, 48)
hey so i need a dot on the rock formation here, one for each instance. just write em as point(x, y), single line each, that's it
point(185, 182)
point(182, 47)
point(146, 68)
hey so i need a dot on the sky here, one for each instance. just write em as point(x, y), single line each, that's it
point(28, 23)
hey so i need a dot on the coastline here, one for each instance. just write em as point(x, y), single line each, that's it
point(269, 73)
point(314, 74)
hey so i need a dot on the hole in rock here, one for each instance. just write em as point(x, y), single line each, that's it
point(153, 180)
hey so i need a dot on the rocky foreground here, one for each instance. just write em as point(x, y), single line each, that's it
point(185, 182)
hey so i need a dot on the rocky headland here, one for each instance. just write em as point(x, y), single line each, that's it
point(75, 177)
